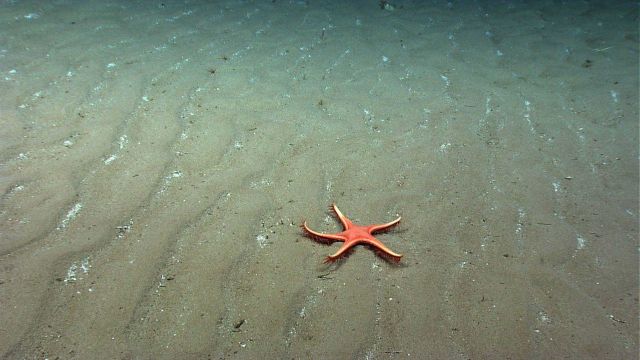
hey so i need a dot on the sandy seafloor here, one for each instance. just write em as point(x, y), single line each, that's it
point(157, 159)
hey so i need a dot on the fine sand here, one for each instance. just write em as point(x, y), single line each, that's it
point(157, 159)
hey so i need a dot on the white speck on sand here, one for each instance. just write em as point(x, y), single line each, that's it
point(262, 240)
point(110, 159)
point(77, 268)
point(70, 216)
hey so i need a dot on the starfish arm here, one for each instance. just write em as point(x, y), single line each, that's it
point(343, 219)
point(380, 227)
point(346, 246)
point(380, 246)
point(319, 235)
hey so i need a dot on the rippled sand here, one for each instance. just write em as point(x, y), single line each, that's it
point(157, 159)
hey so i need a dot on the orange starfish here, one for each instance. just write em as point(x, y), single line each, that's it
point(353, 235)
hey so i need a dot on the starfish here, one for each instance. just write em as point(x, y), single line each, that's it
point(353, 235)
